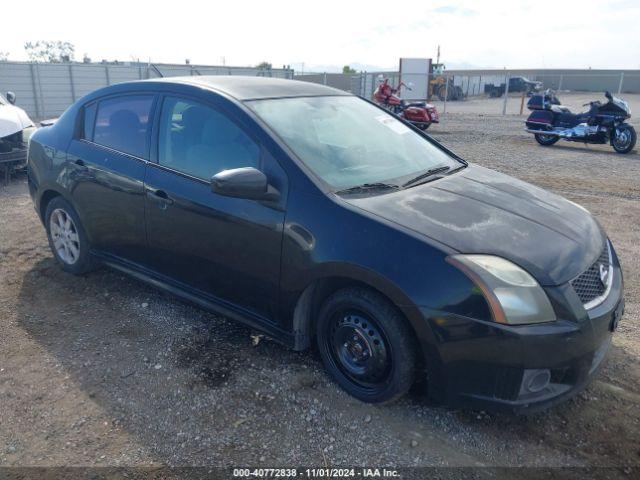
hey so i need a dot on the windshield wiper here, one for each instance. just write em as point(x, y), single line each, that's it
point(367, 187)
point(427, 174)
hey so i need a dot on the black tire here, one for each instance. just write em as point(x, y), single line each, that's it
point(546, 140)
point(630, 142)
point(366, 345)
point(83, 262)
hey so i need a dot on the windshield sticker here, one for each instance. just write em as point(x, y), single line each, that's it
point(393, 124)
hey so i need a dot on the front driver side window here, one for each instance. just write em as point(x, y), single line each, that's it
point(201, 141)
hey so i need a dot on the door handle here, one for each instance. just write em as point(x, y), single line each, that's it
point(161, 197)
point(80, 163)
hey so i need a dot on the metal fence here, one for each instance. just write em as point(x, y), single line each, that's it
point(45, 90)
point(462, 91)
point(506, 95)
point(362, 84)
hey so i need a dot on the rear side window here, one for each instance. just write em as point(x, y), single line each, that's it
point(201, 141)
point(89, 121)
point(121, 123)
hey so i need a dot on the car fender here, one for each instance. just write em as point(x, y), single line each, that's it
point(13, 120)
point(337, 273)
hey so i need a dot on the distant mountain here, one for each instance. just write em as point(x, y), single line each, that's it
point(358, 67)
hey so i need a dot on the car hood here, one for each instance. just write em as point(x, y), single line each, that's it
point(478, 210)
point(12, 120)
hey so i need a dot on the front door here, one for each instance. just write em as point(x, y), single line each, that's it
point(225, 247)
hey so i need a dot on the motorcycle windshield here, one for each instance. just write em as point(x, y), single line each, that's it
point(621, 104)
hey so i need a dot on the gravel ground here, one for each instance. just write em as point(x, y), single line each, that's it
point(104, 370)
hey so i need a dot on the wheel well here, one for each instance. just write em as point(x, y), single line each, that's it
point(46, 197)
point(310, 302)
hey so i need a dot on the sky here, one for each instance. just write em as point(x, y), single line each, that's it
point(324, 35)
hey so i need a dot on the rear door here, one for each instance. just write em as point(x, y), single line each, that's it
point(228, 248)
point(106, 169)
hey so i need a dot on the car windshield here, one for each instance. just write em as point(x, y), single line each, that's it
point(348, 142)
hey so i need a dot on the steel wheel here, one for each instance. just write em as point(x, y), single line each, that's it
point(366, 345)
point(359, 349)
point(64, 236)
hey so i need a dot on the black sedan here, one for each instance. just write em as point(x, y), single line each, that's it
point(319, 218)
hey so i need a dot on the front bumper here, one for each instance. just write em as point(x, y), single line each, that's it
point(16, 157)
point(485, 365)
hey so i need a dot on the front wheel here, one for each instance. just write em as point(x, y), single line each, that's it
point(546, 140)
point(624, 138)
point(366, 345)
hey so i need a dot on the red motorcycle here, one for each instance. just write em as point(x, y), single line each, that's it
point(420, 114)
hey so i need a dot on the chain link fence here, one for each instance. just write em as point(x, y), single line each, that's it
point(507, 94)
point(491, 93)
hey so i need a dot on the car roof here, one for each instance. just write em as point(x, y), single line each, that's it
point(253, 88)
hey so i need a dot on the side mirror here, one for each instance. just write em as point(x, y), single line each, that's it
point(11, 98)
point(246, 182)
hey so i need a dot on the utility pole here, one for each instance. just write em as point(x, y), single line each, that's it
point(506, 94)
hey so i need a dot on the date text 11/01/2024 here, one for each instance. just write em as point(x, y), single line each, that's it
point(316, 472)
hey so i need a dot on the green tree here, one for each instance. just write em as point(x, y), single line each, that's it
point(264, 69)
point(53, 51)
point(348, 70)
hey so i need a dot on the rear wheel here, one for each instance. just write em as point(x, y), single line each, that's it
point(546, 140)
point(366, 345)
point(624, 138)
point(67, 238)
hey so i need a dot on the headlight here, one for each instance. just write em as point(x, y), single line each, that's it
point(514, 296)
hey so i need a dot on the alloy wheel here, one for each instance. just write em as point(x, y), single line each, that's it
point(64, 236)
point(622, 138)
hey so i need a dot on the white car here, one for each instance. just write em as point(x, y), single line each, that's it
point(15, 130)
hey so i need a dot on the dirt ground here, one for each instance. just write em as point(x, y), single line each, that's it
point(104, 370)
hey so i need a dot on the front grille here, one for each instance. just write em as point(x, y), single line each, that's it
point(589, 285)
